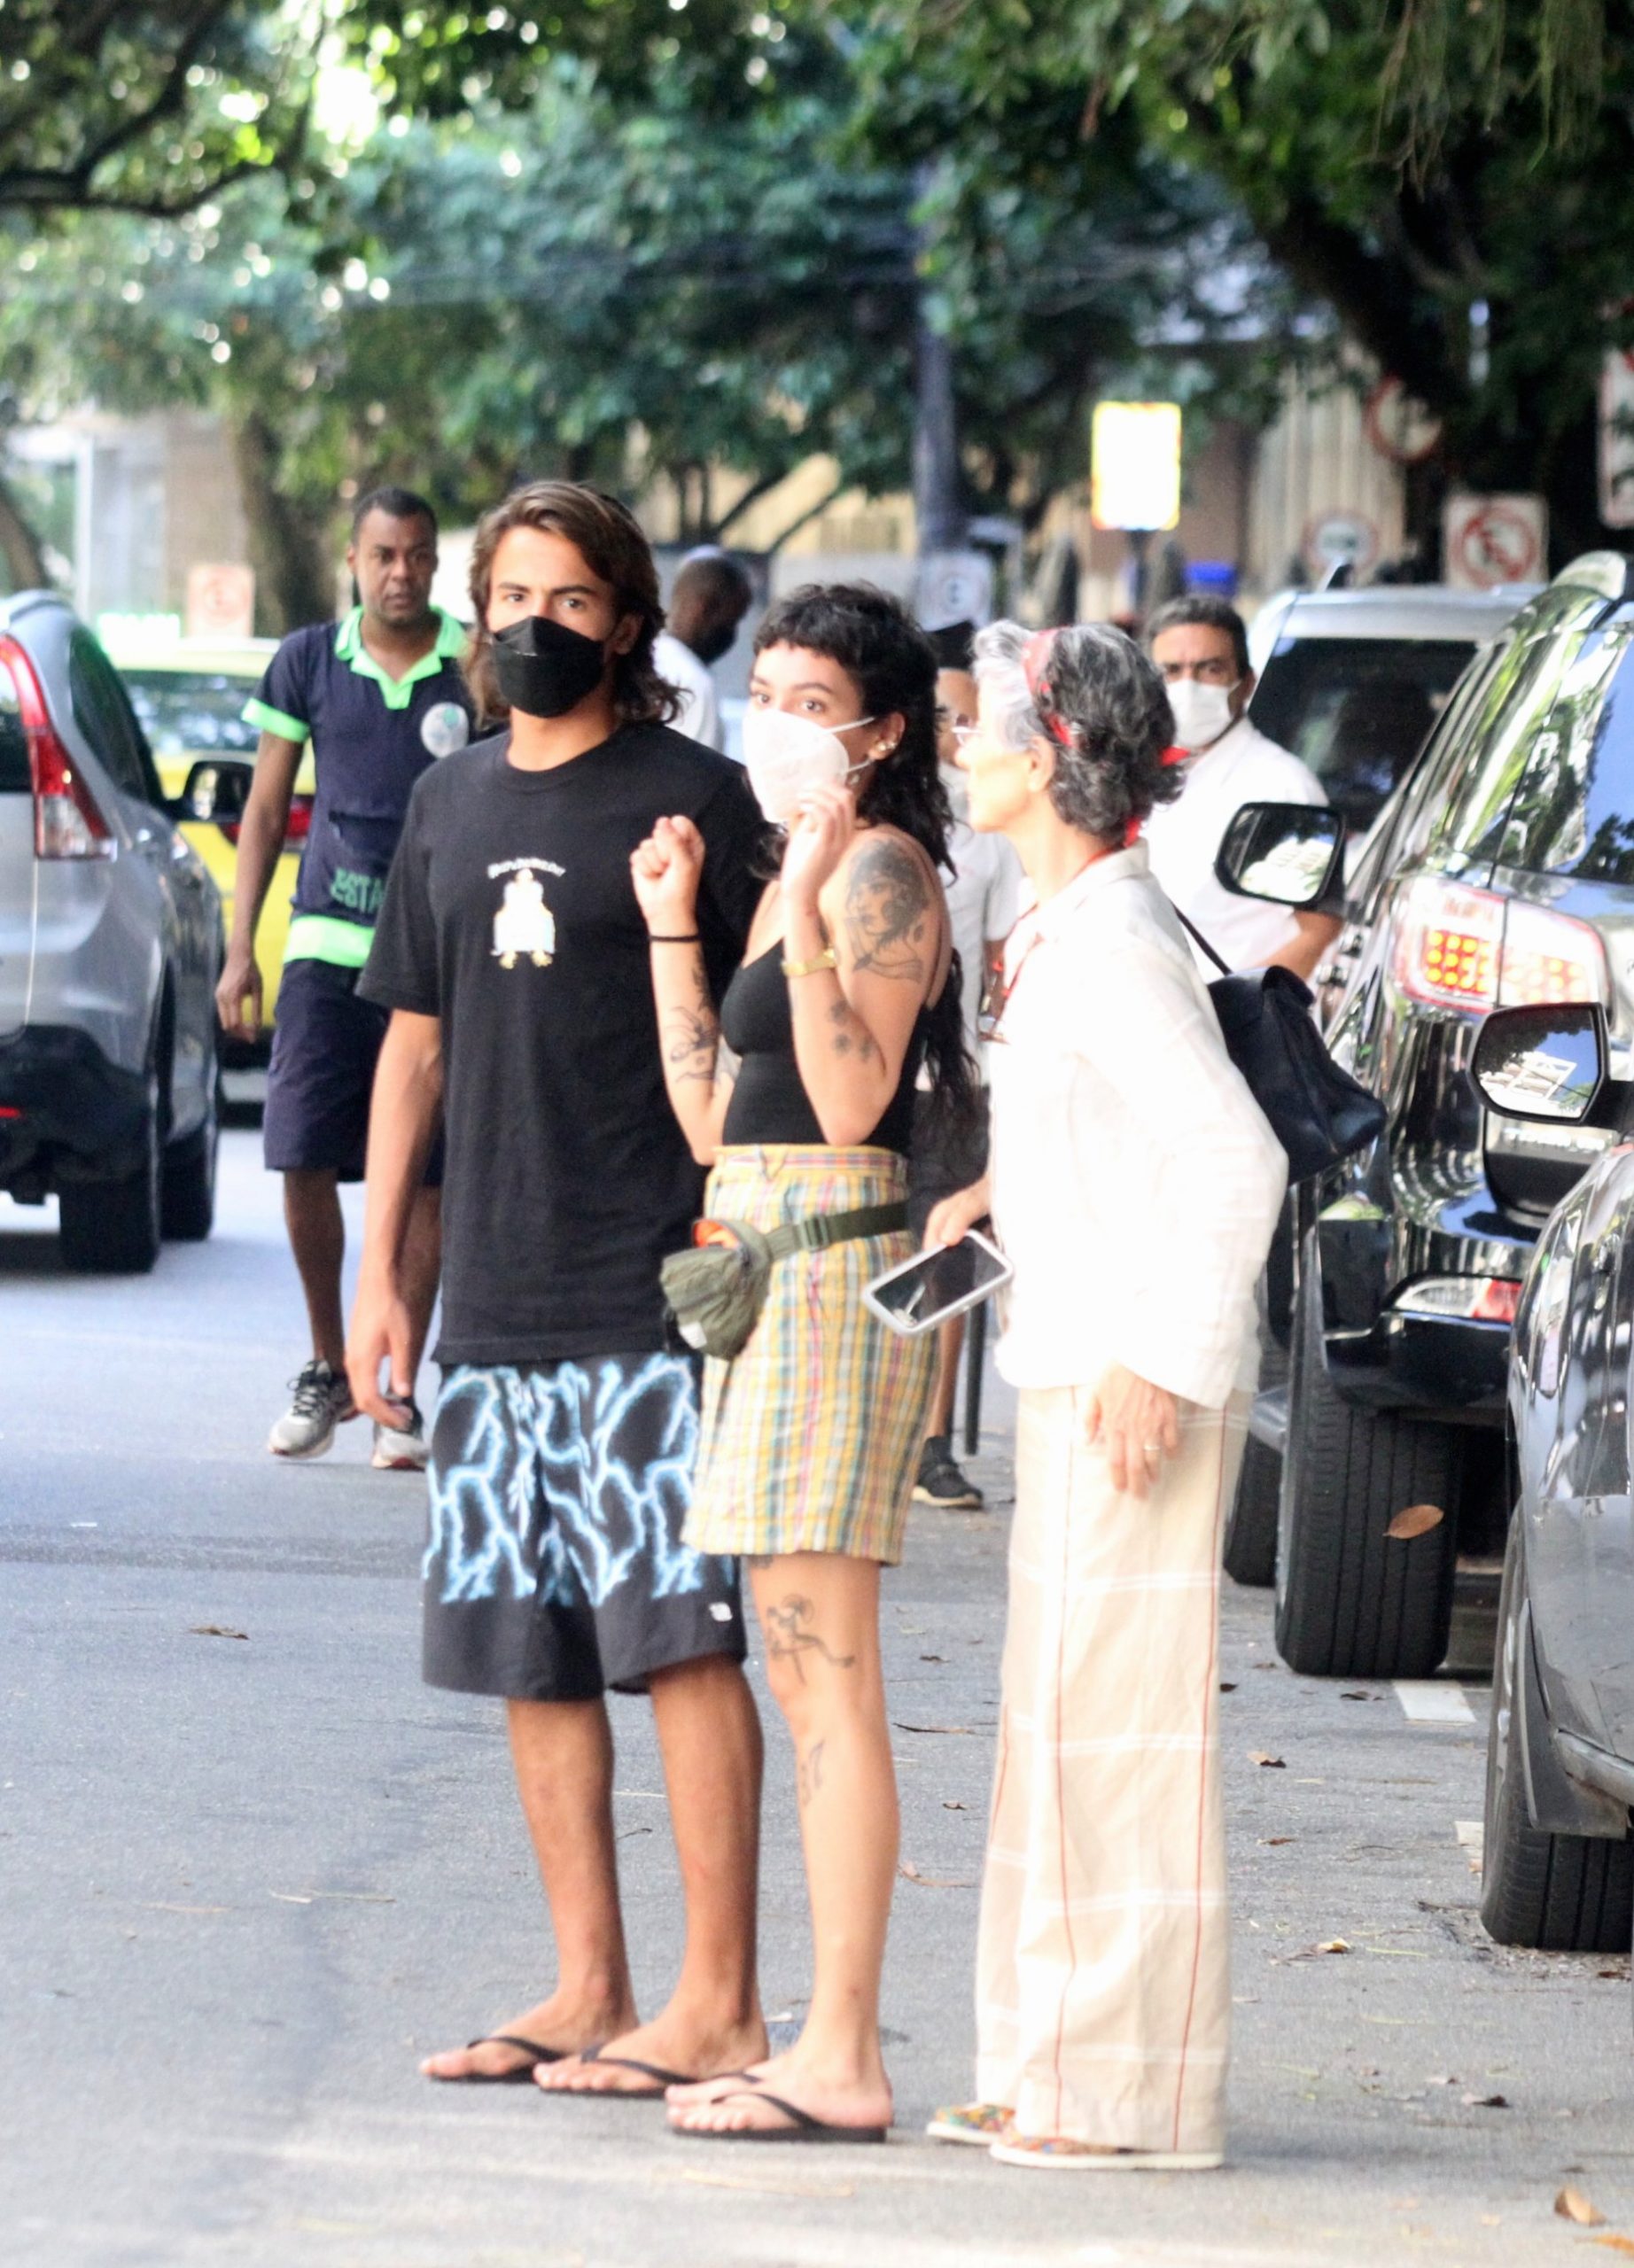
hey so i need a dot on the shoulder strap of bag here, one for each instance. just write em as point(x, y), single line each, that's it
point(824, 1229)
point(1197, 937)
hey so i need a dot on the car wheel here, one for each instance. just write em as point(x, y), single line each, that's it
point(1353, 1601)
point(188, 1196)
point(1558, 1894)
point(1250, 1553)
point(112, 1228)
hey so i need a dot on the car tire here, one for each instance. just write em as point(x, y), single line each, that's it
point(1353, 1601)
point(1556, 1893)
point(187, 1198)
point(1250, 1551)
point(112, 1228)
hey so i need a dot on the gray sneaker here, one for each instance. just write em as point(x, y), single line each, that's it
point(323, 1400)
point(402, 1451)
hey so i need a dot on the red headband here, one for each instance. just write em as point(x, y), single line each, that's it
point(1035, 663)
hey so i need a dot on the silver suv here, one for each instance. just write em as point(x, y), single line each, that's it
point(110, 945)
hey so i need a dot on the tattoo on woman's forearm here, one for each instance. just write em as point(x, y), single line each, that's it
point(809, 1778)
point(692, 1036)
point(888, 911)
point(789, 1636)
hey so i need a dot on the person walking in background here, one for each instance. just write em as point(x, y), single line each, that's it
point(710, 596)
point(983, 900)
point(1135, 1184)
point(513, 960)
point(801, 1096)
point(1201, 648)
point(381, 697)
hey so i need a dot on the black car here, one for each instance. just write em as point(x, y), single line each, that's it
point(1558, 1865)
point(1502, 871)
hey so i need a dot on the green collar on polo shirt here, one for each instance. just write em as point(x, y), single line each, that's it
point(397, 691)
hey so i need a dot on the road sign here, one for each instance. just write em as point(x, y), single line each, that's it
point(953, 586)
point(1399, 427)
point(1492, 540)
point(1135, 480)
point(1334, 537)
point(221, 601)
point(1617, 439)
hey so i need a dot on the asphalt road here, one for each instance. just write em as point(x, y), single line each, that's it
point(247, 1881)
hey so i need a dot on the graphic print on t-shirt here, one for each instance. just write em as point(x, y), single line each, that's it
point(445, 729)
point(523, 924)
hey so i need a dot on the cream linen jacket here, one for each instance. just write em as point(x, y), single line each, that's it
point(1136, 1182)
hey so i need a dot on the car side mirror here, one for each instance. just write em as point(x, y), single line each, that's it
point(1546, 1062)
point(1289, 853)
point(218, 789)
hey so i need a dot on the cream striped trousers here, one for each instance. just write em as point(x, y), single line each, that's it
point(1102, 1992)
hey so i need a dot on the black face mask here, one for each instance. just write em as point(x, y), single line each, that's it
point(544, 669)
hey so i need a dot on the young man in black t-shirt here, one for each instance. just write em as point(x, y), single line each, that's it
point(516, 963)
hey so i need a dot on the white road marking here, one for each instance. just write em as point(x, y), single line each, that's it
point(1431, 1701)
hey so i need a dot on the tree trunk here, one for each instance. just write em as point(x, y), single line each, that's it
point(20, 548)
point(289, 542)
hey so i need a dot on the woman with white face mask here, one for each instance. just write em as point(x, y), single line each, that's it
point(801, 1098)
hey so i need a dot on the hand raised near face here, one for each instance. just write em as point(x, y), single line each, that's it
point(666, 870)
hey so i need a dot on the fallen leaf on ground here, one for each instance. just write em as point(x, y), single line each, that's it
point(1623, 2244)
point(948, 1806)
point(1488, 2102)
point(1275, 1841)
point(1334, 1944)
point(214, 1630)
point(1358, 1696)
point(1269, 1763)
point(933, 1658)
point(1227, 1686)
point(931, 1882)
point(1418, 1520)
point(1572, 2205)
point(901, 1727)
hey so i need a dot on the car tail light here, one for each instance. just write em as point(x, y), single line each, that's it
point(1469, 1299)
point(296, 827)
point(67, 820)
point(1458, 947)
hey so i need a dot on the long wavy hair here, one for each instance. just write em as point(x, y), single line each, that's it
point(609, 540)
point(893, 666)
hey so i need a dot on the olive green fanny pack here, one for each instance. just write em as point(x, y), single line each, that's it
point(717, 1288)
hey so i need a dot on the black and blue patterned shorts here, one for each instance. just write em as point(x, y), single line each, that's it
point(556, 1568)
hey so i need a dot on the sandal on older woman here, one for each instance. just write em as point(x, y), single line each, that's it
point(981, 2123)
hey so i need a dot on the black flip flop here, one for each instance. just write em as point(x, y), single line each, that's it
point(661, 2080)
point(516, 2074)
point(802, 2126)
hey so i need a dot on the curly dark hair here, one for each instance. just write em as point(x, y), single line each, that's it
point(1098, 701)
point(893, 666)
point(606, 532)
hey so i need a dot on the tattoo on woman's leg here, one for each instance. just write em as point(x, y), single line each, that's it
point(786, 1636)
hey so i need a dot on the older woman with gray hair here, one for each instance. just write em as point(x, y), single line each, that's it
point(1134, 1184)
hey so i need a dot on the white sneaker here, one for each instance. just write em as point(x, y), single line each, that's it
point(397, 1450)
point(323, 1400)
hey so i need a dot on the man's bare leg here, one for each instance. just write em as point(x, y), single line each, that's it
point(709, 1731)
point(562, 1754)
point(318, 1240)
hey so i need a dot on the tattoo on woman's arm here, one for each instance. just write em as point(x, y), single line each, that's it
point(691, 1037)
point(888, 909)
point(851, 1035)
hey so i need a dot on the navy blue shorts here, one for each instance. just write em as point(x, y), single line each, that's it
point(556, 1569)
point(325, 1044)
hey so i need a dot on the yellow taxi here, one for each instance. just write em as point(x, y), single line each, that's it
point(190, 694)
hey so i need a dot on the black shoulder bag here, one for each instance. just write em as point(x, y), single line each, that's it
point(1319, 1113)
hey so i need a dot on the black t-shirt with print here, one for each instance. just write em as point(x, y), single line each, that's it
point(509, 913)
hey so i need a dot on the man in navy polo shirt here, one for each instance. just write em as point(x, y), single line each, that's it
point(380, 695)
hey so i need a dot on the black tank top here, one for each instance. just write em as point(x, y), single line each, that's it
point(769, 1103)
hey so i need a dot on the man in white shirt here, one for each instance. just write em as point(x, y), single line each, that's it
point(1201, 651)
point(984, 899)
point(712, 595)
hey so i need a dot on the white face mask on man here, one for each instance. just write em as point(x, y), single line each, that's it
point(786, 757)
point(1202, 712)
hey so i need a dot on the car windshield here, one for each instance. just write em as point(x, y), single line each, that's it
point(1573, 811)
point(187, 712)
point(1357, 709)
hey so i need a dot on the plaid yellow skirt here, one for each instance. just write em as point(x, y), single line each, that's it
point(810, 1435)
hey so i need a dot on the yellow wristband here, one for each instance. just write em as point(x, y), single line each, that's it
point(826, 958)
